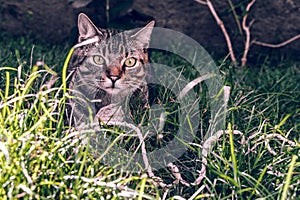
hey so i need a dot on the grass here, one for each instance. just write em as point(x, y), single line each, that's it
point(41, 158)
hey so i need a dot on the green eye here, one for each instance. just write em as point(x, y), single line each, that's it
point(130, 62)
point(98, 60)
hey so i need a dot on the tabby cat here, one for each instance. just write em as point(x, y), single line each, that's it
point(109, 68)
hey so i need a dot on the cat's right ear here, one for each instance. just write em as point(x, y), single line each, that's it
point(86, 28)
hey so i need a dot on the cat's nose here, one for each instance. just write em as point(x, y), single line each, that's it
point(114, 78)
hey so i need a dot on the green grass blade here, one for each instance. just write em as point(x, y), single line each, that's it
point(142, 189)
point(283, 121)
point(64, 83)
point(6, 93)
point(284, 194)
point(233, 157)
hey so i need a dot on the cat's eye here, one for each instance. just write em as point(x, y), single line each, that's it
point(130, 62)
point(98, 60)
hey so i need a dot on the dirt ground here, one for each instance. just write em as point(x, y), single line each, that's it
point(54, 21)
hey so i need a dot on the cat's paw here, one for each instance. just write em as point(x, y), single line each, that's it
point(111, 114)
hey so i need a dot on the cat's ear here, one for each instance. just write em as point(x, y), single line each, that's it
point(143, 36)
point(86, 28)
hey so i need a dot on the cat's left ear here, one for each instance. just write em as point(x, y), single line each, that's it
point(143, 36)
point(86, 28)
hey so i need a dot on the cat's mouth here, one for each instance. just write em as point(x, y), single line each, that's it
point(113, 90)
point(112, 87)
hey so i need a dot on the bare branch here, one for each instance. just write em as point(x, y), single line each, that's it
point(175, 171)
point(201, 2)
point(197, 192)
point(266, 139)
point(277, 45)
point(246, 28)
point(157, 181)
point(142, 143)
point(222, 26)
point(207, 147)
point(247, 31)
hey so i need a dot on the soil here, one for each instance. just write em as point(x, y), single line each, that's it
point(55, 21)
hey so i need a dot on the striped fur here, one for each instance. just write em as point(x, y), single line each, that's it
point(110, 65)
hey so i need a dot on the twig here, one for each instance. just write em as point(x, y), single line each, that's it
point(165, 194)
point(277, 45)
point(50, 83)
point(222, 26)
point(201, 2)
point(266, 138)
point(157, 181)
point(247, 31)
point(4, 151)
point(207, 147)
point(197, 192)
point(280, 137)
point(142, 142)
point(286, 135)
point(125, 191)
point(175, 171)
point(274, 172)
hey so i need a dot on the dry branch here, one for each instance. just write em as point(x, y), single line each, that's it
point(266, 139)
point(247, 32)
point(222, 26)
point(246, 28)
point(207, 148)
point(201, 2)
point(176, 173)
point(277, 45)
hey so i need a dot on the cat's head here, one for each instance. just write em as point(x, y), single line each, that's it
point(113, 61)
